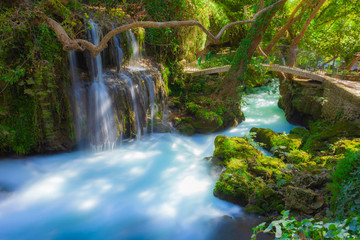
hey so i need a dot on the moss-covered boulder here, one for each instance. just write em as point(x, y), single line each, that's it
point(186, 129)
point(268, 184)
point(303, 200)
point(236, 147)
point(324, 135)
point(201, 100)
point(344, 145)
point(233, 186)
point(313, 181)
point(280, 145)
point(247, 175)
point(267, 199)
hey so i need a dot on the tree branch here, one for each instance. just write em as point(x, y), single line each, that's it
point(80, 44)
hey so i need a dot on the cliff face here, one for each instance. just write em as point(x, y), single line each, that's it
point(34, 105)
point(304, 101)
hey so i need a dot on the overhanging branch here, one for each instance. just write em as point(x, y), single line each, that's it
point(80, 44)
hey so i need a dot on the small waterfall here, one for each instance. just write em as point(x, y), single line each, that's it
point(151, 99)
point(134, 102)
point(78, 101)
point(135, 53)
point(115, 104)
point(101, 117)
point(119, 55)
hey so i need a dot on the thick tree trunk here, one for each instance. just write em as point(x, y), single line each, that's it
point(290, 22)
point(255, 35)
point(295, 42)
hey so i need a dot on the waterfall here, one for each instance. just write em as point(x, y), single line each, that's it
point(151, 100)
point(119, 55)
point(102, 128)
point(79, 104)
point(115, 104)
point(135, 53)
point(134, 103)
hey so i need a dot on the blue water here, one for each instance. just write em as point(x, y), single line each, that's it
point(159, 187)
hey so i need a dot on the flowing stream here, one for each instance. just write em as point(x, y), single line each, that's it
point(159, 187)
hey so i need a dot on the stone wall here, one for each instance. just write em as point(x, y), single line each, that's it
point(341, 103)
point(304, 101)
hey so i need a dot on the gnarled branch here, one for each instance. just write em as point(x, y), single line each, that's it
point(80, 44)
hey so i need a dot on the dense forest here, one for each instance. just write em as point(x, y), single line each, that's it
point(256, 102)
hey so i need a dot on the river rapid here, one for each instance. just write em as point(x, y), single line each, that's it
point(158, 187)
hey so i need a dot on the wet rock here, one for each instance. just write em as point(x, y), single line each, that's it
point(232, 187)
point(162, 127)
point(235, 147)
point(303, 200)
point(266, 200)
point(186, 129)
point(313, 181)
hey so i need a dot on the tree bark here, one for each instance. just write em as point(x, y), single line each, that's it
point(353, 62)
point(80, 44)
point(255, 35)
point(291, 21)
point(323, 65)
point(295, 42)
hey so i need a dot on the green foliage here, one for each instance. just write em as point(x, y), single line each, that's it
point(346, 179)
point(34, 66)
point(286, 228)
point(217, 61)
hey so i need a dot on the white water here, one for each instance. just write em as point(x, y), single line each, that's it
point(150, 84)
point(135, 52)
point(159, 187)
point(78, 90)
point(101, 128)
point(119, 55)
point(134, 102)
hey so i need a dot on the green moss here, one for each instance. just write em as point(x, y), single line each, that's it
point(237, 147)
point(324, 135)
point(344, 145)
point(186, 129)
point(273, 141)
point(266, 200)
point(298, 156)
point(233, 187)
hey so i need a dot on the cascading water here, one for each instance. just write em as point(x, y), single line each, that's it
point(79, 104)
point(157, 188)
point(150, 84)
point(102, 128)
point(135, 53)
point(119, 55)
point(147, 93)
point(134, 102)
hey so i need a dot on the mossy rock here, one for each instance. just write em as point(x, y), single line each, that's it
point(345, 145)
point(300, 132)
point(324, 136)
point(266, 200)
point(265, 136)
point(298, 156)
point(236, 147)
point(247, 174)
point(329, 162)
point(303, 200)
point(205, 121)
point(269, 167)
point(233, 187)
point(278, 144)
point(186, 129)
point(316, 180)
